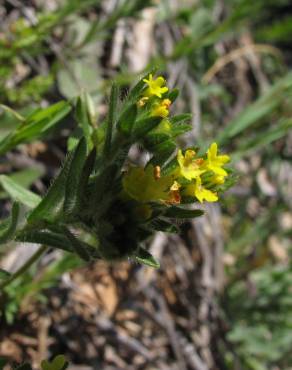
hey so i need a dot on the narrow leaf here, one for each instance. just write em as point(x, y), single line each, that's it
point(113, 105)
point(51, 206)
point(153, 139)
point(180, 129)
point(142, 127)
point(163, 152)
point(45, 237)
point(35, 125)
point(18, 192)
point(72, 194)
point(83, 118)
point(146, 258)
point(165, 226)
point(180, 118)
point(127, 120)
point(173, 94)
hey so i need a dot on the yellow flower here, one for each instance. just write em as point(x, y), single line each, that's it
point(161, 109)
point(200, 192)
point(155, 86)
point(215, 162)
point(190, 168)
point(145, 186)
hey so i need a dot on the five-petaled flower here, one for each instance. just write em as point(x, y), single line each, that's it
point(190, 167)
point(215, 162)
point(155, 86)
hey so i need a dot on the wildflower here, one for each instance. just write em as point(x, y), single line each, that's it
point(190, 168)
point(155, 86)
point(196, 189)
point(161, 109)
point(144, 185)
point(215, 162)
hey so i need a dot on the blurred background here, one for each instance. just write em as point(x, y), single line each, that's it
point(222, 297)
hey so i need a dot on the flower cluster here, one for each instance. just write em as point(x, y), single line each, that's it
point(101, 205)
point(185, 177)
point(153, 96)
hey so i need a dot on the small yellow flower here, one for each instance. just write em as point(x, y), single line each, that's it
point(161, 109)
point(215, 162)
point(155, 86)
point(190, 168)
point(144, 185)
point(200, 192)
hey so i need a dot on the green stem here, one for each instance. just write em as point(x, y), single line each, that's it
point(24, 267)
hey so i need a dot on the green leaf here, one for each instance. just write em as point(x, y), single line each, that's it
point(75, 171)
point(3, 276)
point(142, 127)
point(127, 120)
point(58, 363)
point(177, 212)
point(7, 232)
point(46, 237)
point(180, 129)
point(266, 104)
point(146, 258)
point(173, 94)
point(113, 106)
point(25, 177)
point(163, 152)
point(153, 139)
point(83, 117)
point(180, 118)
point(79, 74)
point(101, 194)
point(15, 114)
point(165, 226)
point(51, 205)
point(35, 125)
point(18, 192)
point(263, 138)
point(86, 172)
